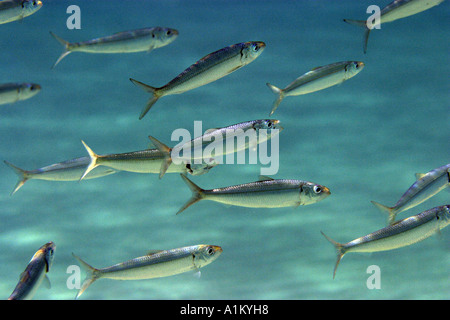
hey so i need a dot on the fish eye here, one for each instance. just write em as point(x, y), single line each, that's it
point(210, 251)
point(269, 124)
point(317, 189)
point(168, 32)
point(255, 47)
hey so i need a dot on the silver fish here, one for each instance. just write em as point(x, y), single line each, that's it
point(69, 170)
point(35, 273)
point(139, 40)
point(13, 92)
point(426, 186)
point(401, 234)
point(317, 79)
point(197, 146)
point(208, 69)
point(155, 264)
point(12, 10)
point(397, 9)
point(266, 193)
point(144, 161)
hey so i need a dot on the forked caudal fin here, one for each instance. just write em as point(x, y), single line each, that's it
point(280, 94)
point(197, 193)
point(93, 164)
point(339, 249)
point(22, 174)
point(385, 209)
point(153, 99)
point(362, 24)
point(165, 150)
point(66, 45)
point(91, 275)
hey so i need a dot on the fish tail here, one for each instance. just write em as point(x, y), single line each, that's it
point(389, 210)
point(362, 24)
point(94, 160)
point(22, 174)
point(277, 102)
point(197, 193)
point(92, 274)
point(339, 249)
point(66, 46)
point(167, 157)
point(155, 96)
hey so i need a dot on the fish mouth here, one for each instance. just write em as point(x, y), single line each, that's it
point(39, 3)
point(217, 249)
point(277, 125)
point(326, 190)
point(360, 64)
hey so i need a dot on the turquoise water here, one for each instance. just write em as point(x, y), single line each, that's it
point(364, 139)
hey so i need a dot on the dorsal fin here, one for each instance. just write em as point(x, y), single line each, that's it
point(152, 252)
point(420, 175)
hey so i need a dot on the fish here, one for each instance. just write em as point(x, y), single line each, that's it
point(146, 39)
point(35, 273)
point(398, 235)
point(144, 161)
point(13, 92)
point(196, 147)
point(397, 9)
point(69, 170)
point(317, 79)
point(426, 186)
point(210, 68)
point(155, 264)
point(265, 193)
point(13, 10)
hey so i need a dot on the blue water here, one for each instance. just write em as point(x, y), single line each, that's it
point(364, 139)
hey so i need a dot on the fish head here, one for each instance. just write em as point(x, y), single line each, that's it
point(205, 254)
point(31, 6)
point(199, 169)
point(164, 36)
point(251, 50)
point(311, 193)
point(268, 124)
point(46, 253)
point(28, 90)
point(443, 216)
point(352, 68)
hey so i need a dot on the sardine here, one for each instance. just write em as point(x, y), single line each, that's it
point(197, 146)
point(144, 161)
point(208, 69)
point(69, 170)
point(145, 39)
point(12, 10)
point(13, 92)
point(317, 79)
point(35, 273)
point(401, 234)
point(155, 264)
point(426, 186)
point(397, 9)
point(266, 193)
